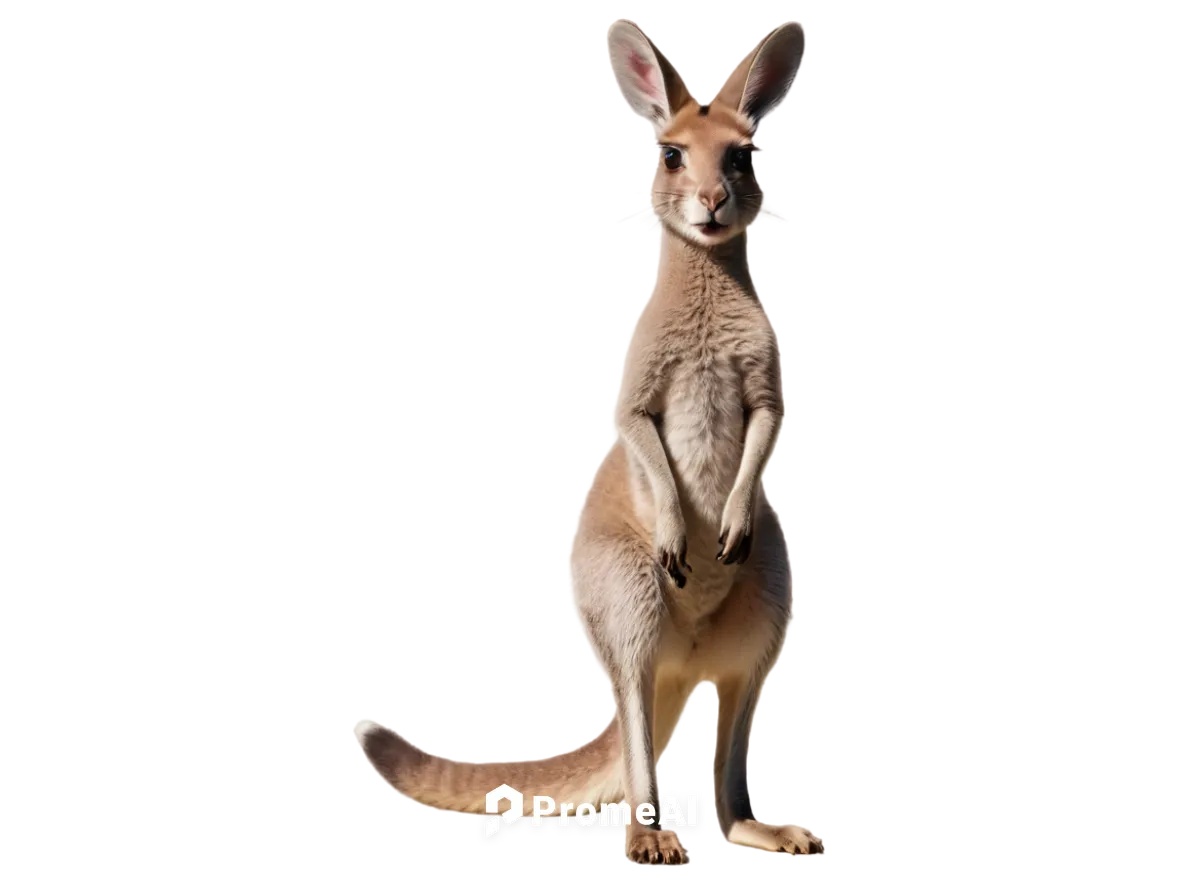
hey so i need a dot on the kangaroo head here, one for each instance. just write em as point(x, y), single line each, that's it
point(705, 189)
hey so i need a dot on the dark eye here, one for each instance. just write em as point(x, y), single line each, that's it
point(672, 158)
point(741, 160)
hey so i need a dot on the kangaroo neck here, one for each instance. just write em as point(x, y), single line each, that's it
point(688, 271)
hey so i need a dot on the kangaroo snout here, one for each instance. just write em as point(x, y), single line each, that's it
point(713, 197)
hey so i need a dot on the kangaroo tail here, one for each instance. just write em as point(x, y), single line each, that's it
point(592, 774)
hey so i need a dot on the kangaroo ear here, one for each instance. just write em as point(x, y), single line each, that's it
point(648, 81)
point(761, 81)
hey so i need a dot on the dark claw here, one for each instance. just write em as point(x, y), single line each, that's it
point(669, 562)
point(676, 574)
point(740, 552)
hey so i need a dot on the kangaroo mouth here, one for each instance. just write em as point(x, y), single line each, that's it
point(711, 227)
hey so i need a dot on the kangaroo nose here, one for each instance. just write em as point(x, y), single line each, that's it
point(713, 196)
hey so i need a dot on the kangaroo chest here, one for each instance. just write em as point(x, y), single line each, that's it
point(702, 416)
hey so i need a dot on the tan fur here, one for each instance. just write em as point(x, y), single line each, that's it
point(679, 565)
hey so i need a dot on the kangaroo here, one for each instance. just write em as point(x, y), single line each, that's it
point(680, 568)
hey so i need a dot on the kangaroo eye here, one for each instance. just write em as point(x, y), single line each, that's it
point(741, 160)
point(672, 158)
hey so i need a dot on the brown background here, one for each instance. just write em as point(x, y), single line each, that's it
point(304, 350)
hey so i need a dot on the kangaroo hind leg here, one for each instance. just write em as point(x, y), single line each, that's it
point(758, 612)
point(620, 597)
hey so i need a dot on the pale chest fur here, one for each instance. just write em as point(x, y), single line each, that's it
point(712, 336)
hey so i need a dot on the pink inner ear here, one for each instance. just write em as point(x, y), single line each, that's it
point(644, 72)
